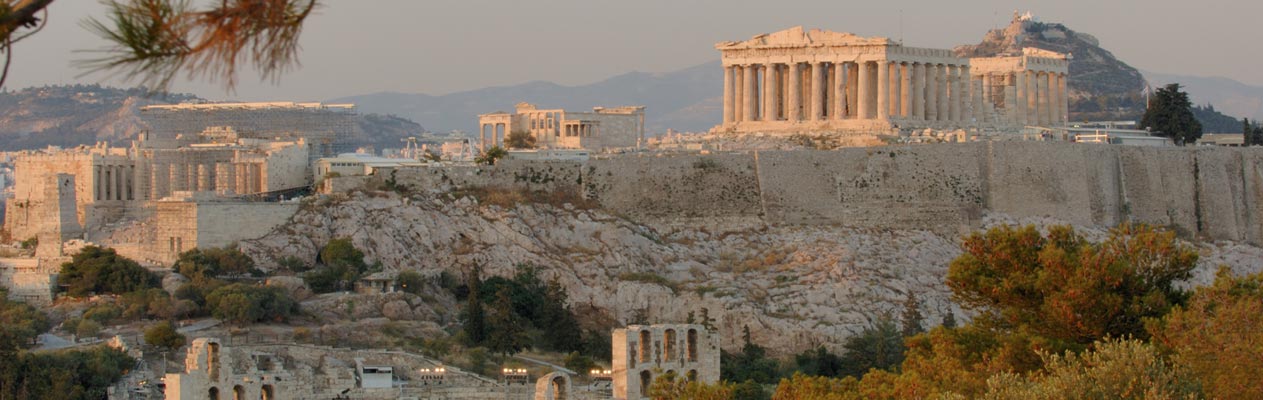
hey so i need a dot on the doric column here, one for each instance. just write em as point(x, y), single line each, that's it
point(953, 93)
point(1020, 97)
point(944, 107)
point(837, 91)
point(817, 91)
point(905, 92)
point(793, 107)
point(771, 102)
point(977, 112)
point(968, 111)
point(986, 88)
point(1045, 112)
point(738, 95)
point(852, 90)
point(729, 92)
point(806, 90)
point(918, 91)
point(751, 93)
point(1064, 102)
point(116, 183)
point(893, 85)
point(1032, 99)
point(482, 137)
point(966, 95)
point(864, 91)
point(883, 89)
point(931, 92)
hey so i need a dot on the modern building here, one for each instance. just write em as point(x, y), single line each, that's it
point(354, 164)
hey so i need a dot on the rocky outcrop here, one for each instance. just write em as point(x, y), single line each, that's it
point(1094, 71)
point(794, 285)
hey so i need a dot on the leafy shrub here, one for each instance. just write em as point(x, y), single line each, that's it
point(101, 270)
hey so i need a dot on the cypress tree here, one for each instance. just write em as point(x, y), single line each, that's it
point(475, 318)
point(1170, 114)
point(1247, 133)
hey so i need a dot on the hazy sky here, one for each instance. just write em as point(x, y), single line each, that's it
point(441, 46)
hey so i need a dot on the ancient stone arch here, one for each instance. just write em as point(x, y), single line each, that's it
point(646, 379)
point(669, 340)
point(554, 386)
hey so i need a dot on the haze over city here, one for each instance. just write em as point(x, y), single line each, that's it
point(436, 47)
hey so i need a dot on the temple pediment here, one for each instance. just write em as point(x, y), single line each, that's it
point(797, 37)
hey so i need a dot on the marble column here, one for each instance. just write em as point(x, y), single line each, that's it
point(905, 92)
point(895, 89)
point(852, 90)
point(817, 91)
point(1045, 104)
point(966, 95)
point(729, 113)
point(751, 93)
point(771, 102)
point(1064, 101)
point(931, 92)
point(738, 98)
point(97, 174)
point(944, 106)
point(1020, 97)
point(883, 89)
point(953, 93)
point(793, 105)
point(1032, 98)
point(986, 88)
point(918, 91)
point(865, 90)
point(838, 92)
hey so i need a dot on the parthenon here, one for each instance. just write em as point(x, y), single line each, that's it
point(822, 81)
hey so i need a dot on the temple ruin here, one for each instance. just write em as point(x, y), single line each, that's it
point(204, 175)
point(797, 81)
point(603, 128)
point(643, 352)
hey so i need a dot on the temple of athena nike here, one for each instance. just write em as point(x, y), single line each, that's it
point(796, 81)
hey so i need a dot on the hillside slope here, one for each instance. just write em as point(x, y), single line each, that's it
point(794, 286)
point(75, 115)
point(1101, 86)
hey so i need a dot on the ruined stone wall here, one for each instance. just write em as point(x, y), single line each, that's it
point(25, 212)
point(183, 225)
point(617, 130)
point(287, 168)
point(1213, 192)
point(222, 223)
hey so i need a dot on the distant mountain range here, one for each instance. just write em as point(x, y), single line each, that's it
point(1228, 96)
point(687, 100)
point(72, 115)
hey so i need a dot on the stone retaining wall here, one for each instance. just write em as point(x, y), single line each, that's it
point(1216, 193)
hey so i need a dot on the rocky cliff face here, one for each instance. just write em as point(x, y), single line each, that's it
point(795, 286)
point(1097, 79)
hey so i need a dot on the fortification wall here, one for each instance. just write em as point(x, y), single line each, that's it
point(1213, 192)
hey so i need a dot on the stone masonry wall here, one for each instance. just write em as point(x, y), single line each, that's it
point(1213, 192)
